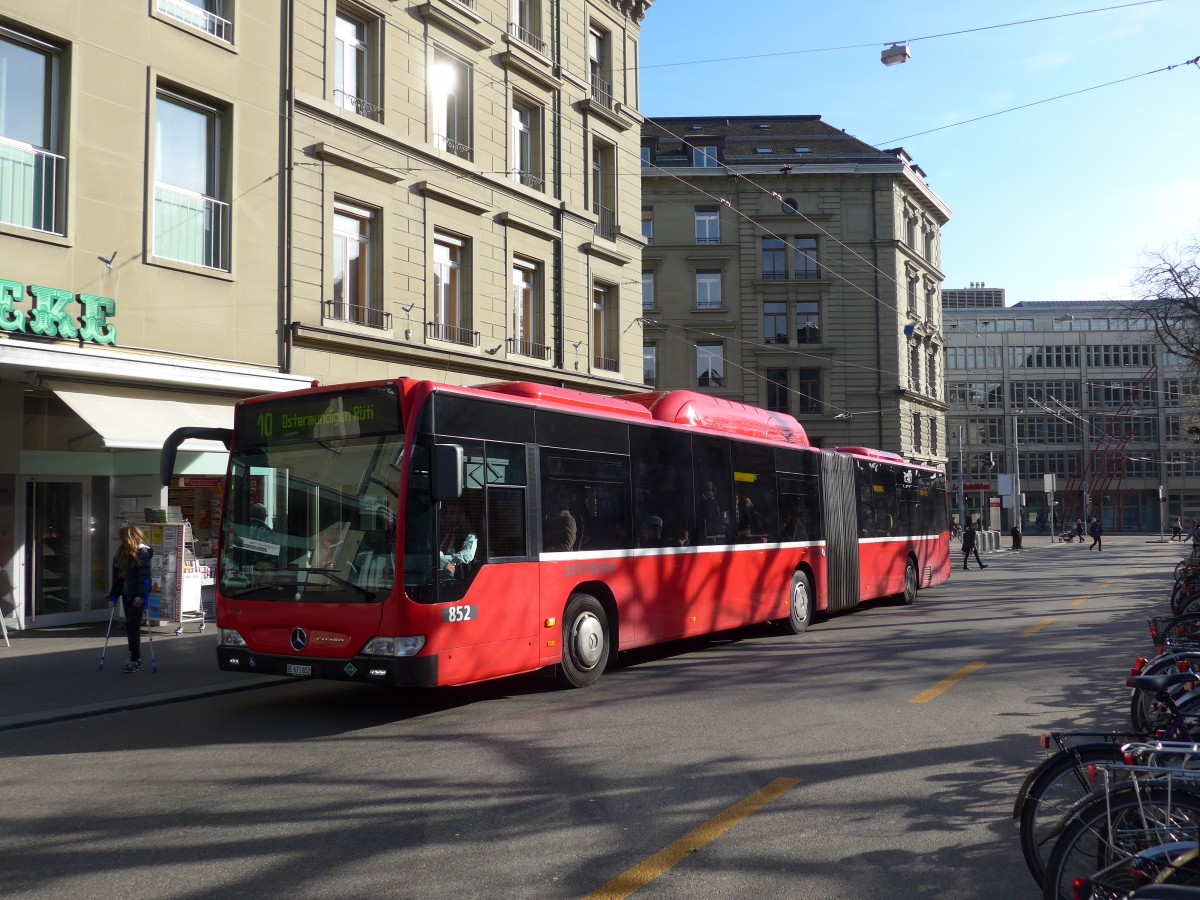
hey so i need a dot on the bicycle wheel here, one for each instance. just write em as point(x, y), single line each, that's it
point(1100, 842)
point(1054, 788)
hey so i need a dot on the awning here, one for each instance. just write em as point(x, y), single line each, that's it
point(137, 418)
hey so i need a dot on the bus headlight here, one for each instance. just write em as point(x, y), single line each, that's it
point(230, 638)
point(394, 646)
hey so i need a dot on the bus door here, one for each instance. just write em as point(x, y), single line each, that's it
point(839, 508)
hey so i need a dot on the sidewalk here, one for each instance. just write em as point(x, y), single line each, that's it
point(50, 674)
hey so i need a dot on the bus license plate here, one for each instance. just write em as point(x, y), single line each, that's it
point(299, 671)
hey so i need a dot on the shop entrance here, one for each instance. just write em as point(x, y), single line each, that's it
point(56, 556)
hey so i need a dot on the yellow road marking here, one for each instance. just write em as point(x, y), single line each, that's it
point(1034, 629)
point(1079, 602)
point(667, 858)
point(946, 683)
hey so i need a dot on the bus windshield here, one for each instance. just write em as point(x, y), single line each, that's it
point(310, 512)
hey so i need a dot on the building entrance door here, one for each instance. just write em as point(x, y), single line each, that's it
point(56, 554)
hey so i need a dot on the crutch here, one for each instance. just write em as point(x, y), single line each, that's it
point(112, 612)
point(150, 634)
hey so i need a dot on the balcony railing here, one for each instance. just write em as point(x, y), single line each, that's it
point(705, 239)
point(527, 37)
point(602, 92)
point(200, 19)
point(774, 276)
point(442, 142)
point(605, 364)
point(529, 180)
point(606, 223)
point(358, 105)
point(191, 228)
point(531, 349)
point(338, 311)
point(452, 334)
point(32, 188)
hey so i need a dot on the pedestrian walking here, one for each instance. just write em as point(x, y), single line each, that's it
point(1079, 530)
point(1096, 530)
point(968, 545)
point(1016, 535)
point(1177, 529)
point(131, 582)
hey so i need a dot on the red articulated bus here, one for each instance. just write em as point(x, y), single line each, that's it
point(411, 533)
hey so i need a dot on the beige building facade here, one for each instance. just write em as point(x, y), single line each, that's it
point(204, 200)
point(793, 267)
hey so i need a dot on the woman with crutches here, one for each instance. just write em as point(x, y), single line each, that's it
point(131, 582)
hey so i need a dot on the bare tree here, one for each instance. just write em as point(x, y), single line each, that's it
point(1168, 294)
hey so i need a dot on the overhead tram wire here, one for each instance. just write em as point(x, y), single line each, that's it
point(927, 37)
point(1195, 61)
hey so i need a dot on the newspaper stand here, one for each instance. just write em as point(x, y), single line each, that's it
point(175, 576)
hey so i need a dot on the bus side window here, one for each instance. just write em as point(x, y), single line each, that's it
point(713, 491)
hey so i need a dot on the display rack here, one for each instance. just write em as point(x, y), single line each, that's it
point(175, 575)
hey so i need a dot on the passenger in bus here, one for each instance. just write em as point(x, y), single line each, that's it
point(561, 529)
point(794, 527)
point(749, 522)
point(652, 532)
point(456, 533)
point(259, 529)
point(712, 517)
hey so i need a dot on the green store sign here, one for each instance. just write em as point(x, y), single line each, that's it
point(53, 313)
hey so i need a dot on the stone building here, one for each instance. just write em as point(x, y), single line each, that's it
point(204, 200)
point(795, 267)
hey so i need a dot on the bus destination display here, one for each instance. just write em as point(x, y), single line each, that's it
point(358, 413)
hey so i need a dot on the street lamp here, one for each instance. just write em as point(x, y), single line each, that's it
point(895, 55)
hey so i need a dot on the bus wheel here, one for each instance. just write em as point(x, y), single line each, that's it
point(585, 641)
point(800, 604)
point(910, 584)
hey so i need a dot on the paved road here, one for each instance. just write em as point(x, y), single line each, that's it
point(877, 755)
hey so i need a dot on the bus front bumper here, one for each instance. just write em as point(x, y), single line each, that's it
point(417, 671)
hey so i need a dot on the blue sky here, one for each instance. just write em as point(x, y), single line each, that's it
point(1056, 202)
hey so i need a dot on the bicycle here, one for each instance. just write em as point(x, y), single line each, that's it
point(1056, 785)
point(1139, 827)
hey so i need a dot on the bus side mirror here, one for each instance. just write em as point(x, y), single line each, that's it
point(446, 481)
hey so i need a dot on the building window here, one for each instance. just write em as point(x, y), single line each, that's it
point(914, 368)
point(604, 328)
point(526, 144)
point(808, 391)
point(450, 104)
point(33, 176)
point(704, 157)
point(708, 289)
point(353, 67)
point(648, 226)
point(930, 302)
point(931, 376)
point(933, 435)
point(708, 225)
point(528, 314)
point(774, 259)
point(806, 259)
point(710, 365)
point(208, 16)
point(647, 290)
point(649, 364)
point(526, 25)
point(775, 322)
point(646, 158)
point(451, 294)
point(777, 390)
point(910, 229)
point(912, 294)
point(916, 432)
point(929, 233)
point(808, 323)
point(191, 221)
point(604, 191)
point(599, 66)
point(355, 298)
